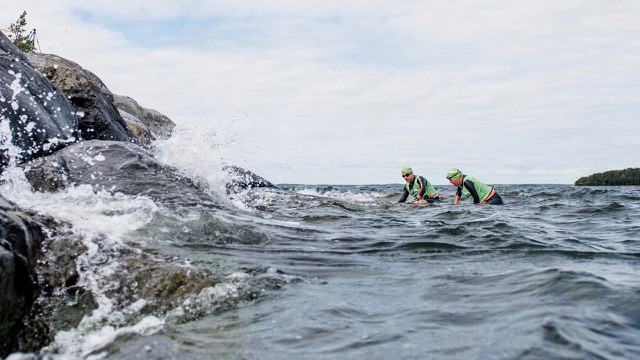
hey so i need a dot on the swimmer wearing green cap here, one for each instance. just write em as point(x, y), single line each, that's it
point(418, 187)
point(470, 187)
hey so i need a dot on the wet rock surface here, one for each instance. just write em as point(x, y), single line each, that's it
point(242, 179)
point(158, 124)
point(141, 130)
point(38, 279)
point(20, 239)
point(63, 127)
point(37, 118)
point(89, 96)
point(115, 167)
point(61, 303)
point(129, 169)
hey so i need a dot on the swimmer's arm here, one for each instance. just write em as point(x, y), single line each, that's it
point(456, 200)
point(423, 187)
point(472, 190)
point(404, 196)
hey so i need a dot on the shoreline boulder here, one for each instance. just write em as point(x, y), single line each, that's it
point(136, 125)
point(20, 240)
point(115, 166)
point(158, 124)
point(89, 96)
point(36, 119)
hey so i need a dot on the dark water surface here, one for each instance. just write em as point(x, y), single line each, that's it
point(347, 273)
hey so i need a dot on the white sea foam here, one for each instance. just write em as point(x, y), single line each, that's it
point(91, 213)
point(6, 138)
point(21, 356)
point(349, 195)
point(89, 343)
point(209, 299)
point(104, 220)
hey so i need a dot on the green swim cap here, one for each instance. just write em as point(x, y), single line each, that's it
point(454, 173)
point(406, 170)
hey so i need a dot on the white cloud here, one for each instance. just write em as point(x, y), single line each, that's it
point(511, 92)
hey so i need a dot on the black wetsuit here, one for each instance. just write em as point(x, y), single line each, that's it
point(423, 189)
point(468, 184)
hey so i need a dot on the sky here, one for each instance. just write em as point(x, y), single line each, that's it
point(349, 92)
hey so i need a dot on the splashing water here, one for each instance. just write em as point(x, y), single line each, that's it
point(201, 148)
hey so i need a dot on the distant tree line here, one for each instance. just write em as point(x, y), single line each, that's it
point(629, 176)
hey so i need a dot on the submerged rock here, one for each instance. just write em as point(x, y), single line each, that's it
point(62, 303)
point(241, 179)
point(36, 119)
point(38, 280)
point(91, 99)
point(161, 283)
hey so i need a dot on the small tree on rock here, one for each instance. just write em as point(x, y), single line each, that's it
point(17, 31)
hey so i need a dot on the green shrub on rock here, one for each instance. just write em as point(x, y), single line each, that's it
point(23, 40)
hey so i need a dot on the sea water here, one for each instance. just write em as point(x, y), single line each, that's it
point(551, 274)
point(346, 272)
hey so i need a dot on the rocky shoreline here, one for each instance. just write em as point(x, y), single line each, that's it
point(63, 127)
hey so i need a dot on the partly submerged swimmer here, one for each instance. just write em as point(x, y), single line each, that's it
point(470, 187)
point(418, 187)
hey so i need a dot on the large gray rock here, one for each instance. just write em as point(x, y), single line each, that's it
point(38, 279)
point(129, 169)
point(89, 96)
point(159, 125)
point(36, 119)
point(116, 167)
point(20, 239)
point(139, 128)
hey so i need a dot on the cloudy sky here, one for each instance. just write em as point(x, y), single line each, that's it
point(347, 92)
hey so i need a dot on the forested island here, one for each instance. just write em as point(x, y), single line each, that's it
point(629, 176)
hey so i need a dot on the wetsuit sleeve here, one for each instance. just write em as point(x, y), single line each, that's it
point(423, 187)
point(459, 191)
point(404, 196)
point(472, 190)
